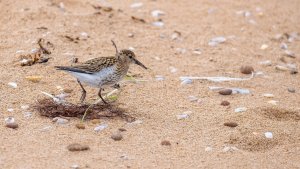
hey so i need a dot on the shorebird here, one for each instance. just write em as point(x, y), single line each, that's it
point(102, 71)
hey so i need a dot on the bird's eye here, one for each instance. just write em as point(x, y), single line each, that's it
point(130, 57)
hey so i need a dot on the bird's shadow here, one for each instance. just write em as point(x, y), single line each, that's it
point(49, 108)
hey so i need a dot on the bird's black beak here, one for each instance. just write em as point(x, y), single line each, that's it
point(140, 64)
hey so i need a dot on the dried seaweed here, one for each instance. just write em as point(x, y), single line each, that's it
point(49, 108)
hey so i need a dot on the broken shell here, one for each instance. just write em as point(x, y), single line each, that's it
point(290, 54)
point(269, 135)
point(116, 136)
point(158, 24)
point(266, 63)
point(60, 120)
point(282, 68)
point(247, 69)
point(225, 92)
point(136, 5)
point(240, 109)
point(157, 13)
point(217, 40)
point(13, 84)
point(100, 127)
point(34, 79)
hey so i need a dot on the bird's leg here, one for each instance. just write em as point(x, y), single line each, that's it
point(99, 94)
point(83, 92)
point(116, 86)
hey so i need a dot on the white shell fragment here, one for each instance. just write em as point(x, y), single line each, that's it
point(217, 40)
point(282, 68)
point(136, 5)
point(229, 148)
point(264, 46)
point(10, 110)
point(240, 109)
point(184, 115)
point(158, 24)
point(172, 69)
point(100, 127)
point(24, 107)
point(268, 95)
point(13, 84)
point(215, 79)
point(290, 54)
point(27, 114)
point(197, 52)
point(192, 98)
point(207, 149)
point(187, 81)
point(159, 78)
point(266, 63)
point(273, 102)
point(9, 120)
point(157, 13)
point(269, 135)
point(283, 46)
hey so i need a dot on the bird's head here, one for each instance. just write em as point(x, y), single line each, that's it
point(128, 56)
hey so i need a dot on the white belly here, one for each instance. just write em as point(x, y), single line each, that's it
point(104, 77)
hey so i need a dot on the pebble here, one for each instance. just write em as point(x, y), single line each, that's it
point(269, 135)
point(165, 143)
point(34, 79)
point(158, 24)
point(225, 92)
point(175, 35)
point(122, 129)
point(264, 46)
point(240, 109)
point(59, 120)
point(95, 121)
point(247, 69)
point(100, 127)
point(80, 126)
point(157, 13)
point(136, 5)
point(68, 90)
point(282, 68)
point(77, 147)
point(291, 90)
point(207, 149)
point(225, 103)
point(117, 136)
point(197, 52)
point(159, 78)
point(13, 84)
point(230, 124)
point(217, 40)
point(187, 81)
point(283, 46)
point(268, 95)
point(12, 125)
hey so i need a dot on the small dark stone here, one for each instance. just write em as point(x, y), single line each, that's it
point(122, 129)
point(225, 103)
point(291, 90)
point(225, 92)
point(247, 69)
point(77, 147)
point(12, 125)
point(230, 124)
point(165, 143)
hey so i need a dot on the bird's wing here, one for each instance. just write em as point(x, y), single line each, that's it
point(91, 66)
